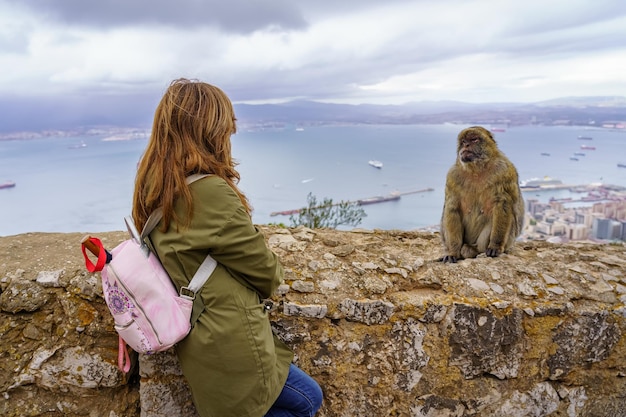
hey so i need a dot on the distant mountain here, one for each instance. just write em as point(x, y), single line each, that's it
point(610, 101)
point(573, 110)
point(73, 111)
point(70, 113)
point(310, 110)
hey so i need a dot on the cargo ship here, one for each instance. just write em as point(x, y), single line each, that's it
point(540, 183)
point(591, 148)
point(375, 163)
point(8, 184)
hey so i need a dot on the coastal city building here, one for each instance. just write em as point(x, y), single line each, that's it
point(561, 220)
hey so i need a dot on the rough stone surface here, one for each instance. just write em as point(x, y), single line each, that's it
point(385, 329)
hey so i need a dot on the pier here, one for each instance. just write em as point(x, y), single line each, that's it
point(595, 193)
point(552, 187)
point(370, 200)
point(584, 188)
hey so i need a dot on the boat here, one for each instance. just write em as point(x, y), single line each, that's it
point(621, 165)
point(80, 145)
point(375, 163)
point(497, 129)
point(591, 148)
point(585, 138)
point(379, 199)
point(545, 154)
point(579, 153)
point(540, 182)
point(285, 212)
point(573, 158)
point(7, 184)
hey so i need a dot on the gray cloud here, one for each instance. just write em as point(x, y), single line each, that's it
point(229, 16)
point(390, 51)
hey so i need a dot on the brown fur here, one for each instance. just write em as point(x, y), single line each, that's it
point(483, 211)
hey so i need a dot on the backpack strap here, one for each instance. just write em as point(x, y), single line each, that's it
point(201, 276)
point(156, 215)
point(205, 269)
point(123, 357)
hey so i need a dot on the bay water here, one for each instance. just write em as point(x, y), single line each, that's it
point(85, 184)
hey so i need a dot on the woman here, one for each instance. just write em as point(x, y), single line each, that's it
point(231, 359)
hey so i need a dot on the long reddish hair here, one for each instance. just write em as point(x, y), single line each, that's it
point(190, 135)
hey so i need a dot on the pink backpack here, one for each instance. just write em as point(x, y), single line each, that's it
point(149, 315)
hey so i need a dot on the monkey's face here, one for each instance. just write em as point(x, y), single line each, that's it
point(473, 144)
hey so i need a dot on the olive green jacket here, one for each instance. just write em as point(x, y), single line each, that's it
point(231, 359)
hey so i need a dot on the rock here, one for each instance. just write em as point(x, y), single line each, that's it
point(482, 343)
point(49, 278)
point(303, 286)
point(22, 295)
point(292, 309)
point(367, 311)
point(371, 315)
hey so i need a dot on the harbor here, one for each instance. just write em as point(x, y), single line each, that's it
point(394, 196)
point(584, 188)
point(577, 195)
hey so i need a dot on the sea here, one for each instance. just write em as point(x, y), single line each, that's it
point(85, 183)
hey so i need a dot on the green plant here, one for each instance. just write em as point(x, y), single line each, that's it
point(281, 225)
point(327, 214)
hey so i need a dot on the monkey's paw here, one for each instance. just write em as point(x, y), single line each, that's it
point(449, 259)
point(492, 253)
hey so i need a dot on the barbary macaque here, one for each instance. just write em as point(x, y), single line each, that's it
point(483, 211)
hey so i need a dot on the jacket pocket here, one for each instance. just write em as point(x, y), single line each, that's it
point(261, 340)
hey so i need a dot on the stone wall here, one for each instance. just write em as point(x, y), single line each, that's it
point(383, 327)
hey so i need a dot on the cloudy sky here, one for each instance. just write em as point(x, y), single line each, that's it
point(344, 51)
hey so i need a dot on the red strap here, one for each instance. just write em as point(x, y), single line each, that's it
point(102, 256)
point(123, 357)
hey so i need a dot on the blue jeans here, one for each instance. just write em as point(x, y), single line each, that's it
point(301, 396)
